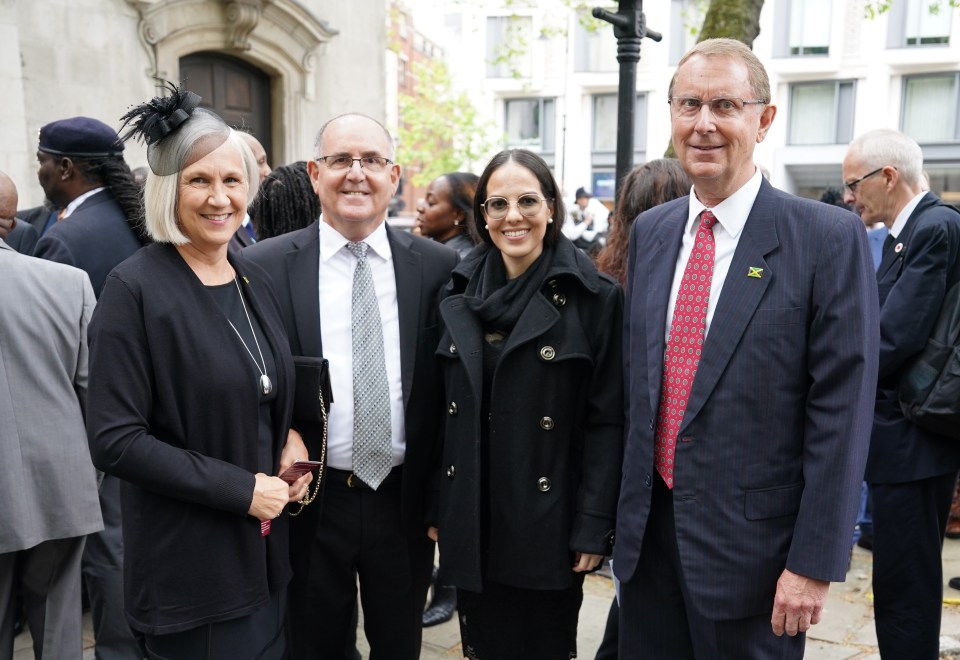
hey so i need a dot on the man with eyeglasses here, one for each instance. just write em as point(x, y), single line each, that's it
point(750, 347)
point(364, 296)
point(911, 471)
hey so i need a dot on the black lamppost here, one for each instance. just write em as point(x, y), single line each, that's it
point(629, 27)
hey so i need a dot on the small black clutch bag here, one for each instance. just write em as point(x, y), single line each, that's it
point(313, 392)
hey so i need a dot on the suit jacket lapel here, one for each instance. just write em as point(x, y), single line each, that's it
point(667, 238)
point(408, 270)
point(303, 267)
point(739, 298)
point(893, 257)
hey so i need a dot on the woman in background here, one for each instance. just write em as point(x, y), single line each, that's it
point(286, 202)
point(445, 214)
point(645, 186)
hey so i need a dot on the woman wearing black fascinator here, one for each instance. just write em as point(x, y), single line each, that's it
point(190, 399)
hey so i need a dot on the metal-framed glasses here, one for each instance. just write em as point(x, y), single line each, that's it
point(368, 163)
point(688, 107)
point(852, 185)
point(497, 208)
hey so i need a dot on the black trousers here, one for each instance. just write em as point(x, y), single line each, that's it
point(360, 536)
point(658, 618)
point(103, 575)
point(909, 520)
point(257, 636)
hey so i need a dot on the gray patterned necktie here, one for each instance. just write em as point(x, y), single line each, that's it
point(372, 447)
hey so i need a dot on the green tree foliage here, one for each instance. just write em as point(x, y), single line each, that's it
point(440, 129)
point(874, 8)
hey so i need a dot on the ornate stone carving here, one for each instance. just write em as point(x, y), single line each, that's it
point(242, 17)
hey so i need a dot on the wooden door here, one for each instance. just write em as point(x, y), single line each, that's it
point(236, 90)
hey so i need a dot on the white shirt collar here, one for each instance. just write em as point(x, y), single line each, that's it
point(904, 215)
point(77, 201)
point(732, 212)
point(332, 241)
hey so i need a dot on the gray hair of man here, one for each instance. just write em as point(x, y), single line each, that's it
point(735, 50)
point(885, 146)
point(201, 134)
point(318, 142)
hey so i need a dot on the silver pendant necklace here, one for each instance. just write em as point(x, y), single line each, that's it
point(266, 386)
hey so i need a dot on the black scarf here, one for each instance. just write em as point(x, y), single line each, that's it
point(499, 302)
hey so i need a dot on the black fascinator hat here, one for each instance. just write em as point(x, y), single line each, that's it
point(175, 129)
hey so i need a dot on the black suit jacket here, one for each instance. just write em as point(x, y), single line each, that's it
point(771, 449)
point(36, 217)
point(912, 283)
point(94, 238)
point(23, 238)
point(422, 267)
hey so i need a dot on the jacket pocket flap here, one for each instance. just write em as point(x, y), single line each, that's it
point(773, 502)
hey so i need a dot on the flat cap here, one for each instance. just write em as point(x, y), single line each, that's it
point(581, 192)
point(82, 137)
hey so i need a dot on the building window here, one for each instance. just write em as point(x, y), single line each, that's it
point(821, 112)
point(686, 19)
point(930, 108)
point(603, 157)
point(810, 27)
point(594, 49)
point(923, 27)
point(508, 46)
point(531, 124)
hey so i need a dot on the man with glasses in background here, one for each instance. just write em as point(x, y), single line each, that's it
point(911, 471)
point(750, 347)
point(375, 319)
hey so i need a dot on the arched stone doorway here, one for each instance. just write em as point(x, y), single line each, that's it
point(236, 90)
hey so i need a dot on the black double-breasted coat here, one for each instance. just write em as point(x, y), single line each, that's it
point(554, 440)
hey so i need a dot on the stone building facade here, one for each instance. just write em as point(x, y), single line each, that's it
point(278, 67)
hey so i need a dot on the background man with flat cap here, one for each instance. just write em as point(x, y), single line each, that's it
point(83, 174)
point(751, 355)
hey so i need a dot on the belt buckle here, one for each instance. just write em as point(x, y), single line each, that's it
point(350, 483)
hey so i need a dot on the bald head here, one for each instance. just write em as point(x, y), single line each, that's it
point(357, 118)
point(8, 205)
point(259, 153)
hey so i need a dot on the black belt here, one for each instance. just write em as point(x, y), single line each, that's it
point(347, 479)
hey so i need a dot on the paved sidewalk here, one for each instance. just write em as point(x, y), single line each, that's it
point(845, 633)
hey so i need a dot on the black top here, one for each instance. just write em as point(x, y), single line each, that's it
point(173, 409)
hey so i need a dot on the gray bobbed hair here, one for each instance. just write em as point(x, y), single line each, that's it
point(195, 138)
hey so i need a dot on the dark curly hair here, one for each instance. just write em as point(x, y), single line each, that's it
point(645, 186)
point(113, 173)
point(287, 201)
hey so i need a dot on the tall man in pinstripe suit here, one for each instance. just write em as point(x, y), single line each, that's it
point(745, 445)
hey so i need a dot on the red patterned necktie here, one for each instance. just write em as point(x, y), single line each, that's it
point(682, 356)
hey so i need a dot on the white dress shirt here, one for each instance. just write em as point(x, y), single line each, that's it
point(337, 264)
point(904, 215)
point(731, 216)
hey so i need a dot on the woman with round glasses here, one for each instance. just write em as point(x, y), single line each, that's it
point(531, 459)
point(446, 211)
